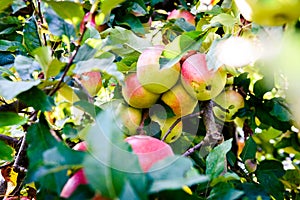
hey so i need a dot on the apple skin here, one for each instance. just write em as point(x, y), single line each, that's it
point(91, 81)
point(199, 81)
point(91, 19)
point(251, 165)
point(135, 94)
point(130, 118)
point(149, 150)
point(269, 13)
point(231, 101)
point(176, 14)
point(179, 100)
point(150, 75)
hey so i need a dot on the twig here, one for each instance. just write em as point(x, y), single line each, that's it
point(9, 140)
point(15, 106)
point(177, 121)
point(19, 157)
point(42, 19)
point(193, 149)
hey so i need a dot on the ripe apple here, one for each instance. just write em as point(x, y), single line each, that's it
point(150, 75)
point(130, 118)
point(149, 150)
point(199, 81)
point(91, 19)
point(179, 100)
point(135, 94)
point(230, 102)
point(175, 14)
point(91, 81)
point(269, 13)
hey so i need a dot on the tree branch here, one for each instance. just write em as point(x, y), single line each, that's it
point(9, 140)
point(15, 106)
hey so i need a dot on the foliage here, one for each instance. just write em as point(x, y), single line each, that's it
point(45, 111)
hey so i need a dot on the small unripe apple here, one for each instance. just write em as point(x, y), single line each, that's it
point(149, 150)
point(135, 94)
point(91, 19)
point(179, 100)
point(151, 76)
point(176, 14)
point(269, 12)
point(199, 81)
point(250, 165)
point(91, 81)
point(230, 102)
point(130, 118)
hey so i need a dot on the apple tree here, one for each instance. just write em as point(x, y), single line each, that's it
point(114, 99)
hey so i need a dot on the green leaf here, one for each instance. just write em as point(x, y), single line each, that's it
point(7, 58)
point(107, 5)
point(6, 152)
point(132, 22)
point(11, 118)
point(4, 4)
point(67, 10)
point(262, 86)
point(104, 165)
point(280, 109)
point(88, 107)
point(39, 141)
point(173, 173)
point(224, 19)
point(25, 66)
point(37, 99)
point(224, 191)
point(254, 191)
point(216, 159)
point(10, 89)
point(198, 38)
point(31, 36)
point(12, 46)
point(249, 150)
point(268, 174)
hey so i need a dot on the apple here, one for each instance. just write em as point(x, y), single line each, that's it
point(91, 19)
point(250, 165)
point(149, 150)
point(199, 81)
point(269, 12)
point(150, 75)
point(230, 102)
point(91, 81)
point(176, 14)
point(135, 94)
point(130, 118)
point(179, 100)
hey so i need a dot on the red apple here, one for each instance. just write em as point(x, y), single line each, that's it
point(199, 81)
point(175, 14)
point(91, 81)
point(135, 94)
point(149, 150)
point(91, 19)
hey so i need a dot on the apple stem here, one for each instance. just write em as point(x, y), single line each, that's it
point(178, 120)
point(140, 130)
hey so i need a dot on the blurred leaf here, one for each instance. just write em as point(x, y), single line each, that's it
point(41, 101)
point(184, 25)
point(85, 52)
point(213, 63)
point(31, 35)
point(224, 19)
point(242, 81)
point(132, 22)
point(67, 10)
point(292, 179)
point(40, 140)
point(4, 4)
point(280, 109)
point(254, 191)
point(6, 152)
point(12, 46)
point(228, 176)
point(128, 192)
point(262, 86)
point(107, 5)
point(104, 165)
point(216, 159)
point(57, 25)
point(225, 191)
point(173, 173)
point(7, 58)
point(10, 89)
point(18, 5)
point(11, 118)
point(68, 93)
point(25, 66)
point(249, 150)
point(88, 107)
point(268, 173)
point(198, 38)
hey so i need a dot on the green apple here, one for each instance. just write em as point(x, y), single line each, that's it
point(129, 118)
point(135, 94)
point(250, 165)
point(228, 103)
point(151, 76)
point(91, 81)
point(199, 81)
point(149, 150)
point(269, 12)
point(179, 100)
